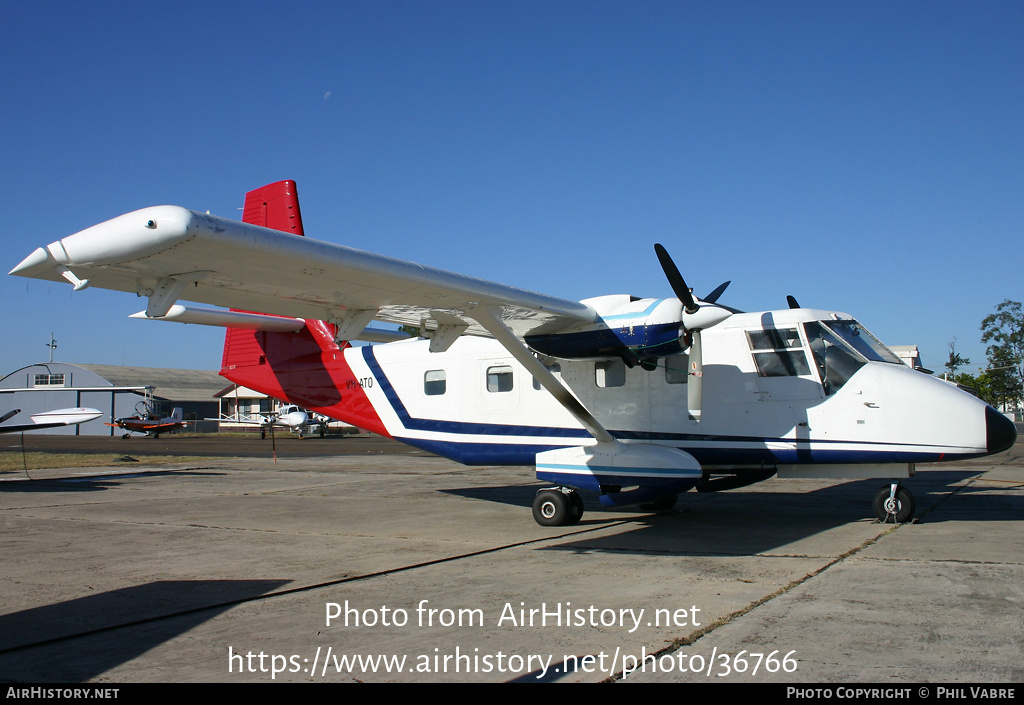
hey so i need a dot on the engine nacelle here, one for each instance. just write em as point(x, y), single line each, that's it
point(636, 330)
point(631, 328)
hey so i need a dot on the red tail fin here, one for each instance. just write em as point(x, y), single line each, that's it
point(304, 367)
point(274, 206)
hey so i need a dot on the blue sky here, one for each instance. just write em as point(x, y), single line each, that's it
point(865, 157)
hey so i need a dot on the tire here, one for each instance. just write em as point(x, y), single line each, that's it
point(552, 508)
point(901, 513)
point(575, 507)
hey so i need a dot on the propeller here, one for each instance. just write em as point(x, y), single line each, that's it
point(675, 280)
point(719, 290)
point(694, 319)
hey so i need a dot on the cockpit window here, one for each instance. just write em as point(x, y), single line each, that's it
point(858, 338)
point(835, 361)
point(778, 352)
point(774, 339)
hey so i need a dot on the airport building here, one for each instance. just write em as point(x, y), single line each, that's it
point(116, 391)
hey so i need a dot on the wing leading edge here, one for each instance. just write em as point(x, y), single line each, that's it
point(167, 253)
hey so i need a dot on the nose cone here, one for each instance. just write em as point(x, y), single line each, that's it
point(1000, 433)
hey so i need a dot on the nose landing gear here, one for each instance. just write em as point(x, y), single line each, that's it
point(894, 504)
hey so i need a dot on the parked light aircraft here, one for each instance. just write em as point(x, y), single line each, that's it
point(50, 419)
point(289, 416)
point(636, 399)
point(295, 419)
point(149, 423)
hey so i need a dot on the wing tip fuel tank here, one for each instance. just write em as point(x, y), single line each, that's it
point(39, 258)
point(126, 237)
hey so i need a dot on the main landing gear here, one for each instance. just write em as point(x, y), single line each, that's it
point(894, 504)
point(557, 506)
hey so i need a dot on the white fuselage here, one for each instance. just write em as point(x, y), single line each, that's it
point(476, 404)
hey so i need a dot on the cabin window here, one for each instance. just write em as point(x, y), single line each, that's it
point(677, 368)
point(499, 379)
point(554, 369)
point(610, 373)
point(435, 383)
point(778, 352)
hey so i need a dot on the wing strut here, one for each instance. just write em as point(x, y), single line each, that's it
point(490, 319)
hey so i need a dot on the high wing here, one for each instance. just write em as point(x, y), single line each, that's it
point(167, 252)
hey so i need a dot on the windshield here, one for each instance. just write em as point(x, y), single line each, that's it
point(836, 362)
point(840, 348)
point(858, 338)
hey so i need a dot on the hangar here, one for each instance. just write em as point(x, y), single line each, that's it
point(116, 391)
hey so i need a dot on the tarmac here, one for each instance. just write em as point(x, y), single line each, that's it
point(360, 560)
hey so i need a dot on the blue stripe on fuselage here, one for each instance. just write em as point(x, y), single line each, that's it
point(468, 451)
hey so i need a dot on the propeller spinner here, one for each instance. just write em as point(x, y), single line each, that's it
point(695, 318)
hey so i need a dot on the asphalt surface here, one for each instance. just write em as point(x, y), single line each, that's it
point(287, 445)
point(367, 561)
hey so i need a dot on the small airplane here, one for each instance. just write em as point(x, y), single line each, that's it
point(149, 423)
point(297, 420)
point(291, 417)
point(50, 419)
point(634, 399)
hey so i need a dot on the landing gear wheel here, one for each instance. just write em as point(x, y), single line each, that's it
point(575, 506)
point(893, 508)
point(552, 507)
point(662, 504)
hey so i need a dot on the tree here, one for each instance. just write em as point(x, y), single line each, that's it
point(1004, 331)
point(956, 360)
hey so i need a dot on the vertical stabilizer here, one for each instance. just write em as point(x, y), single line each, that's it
point(274, 206)
point(306, 367)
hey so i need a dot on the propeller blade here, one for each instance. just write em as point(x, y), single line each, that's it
point(675, 279)
point(9, 414)
point(713, 296)
point(695, 378)
point(792, 302)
